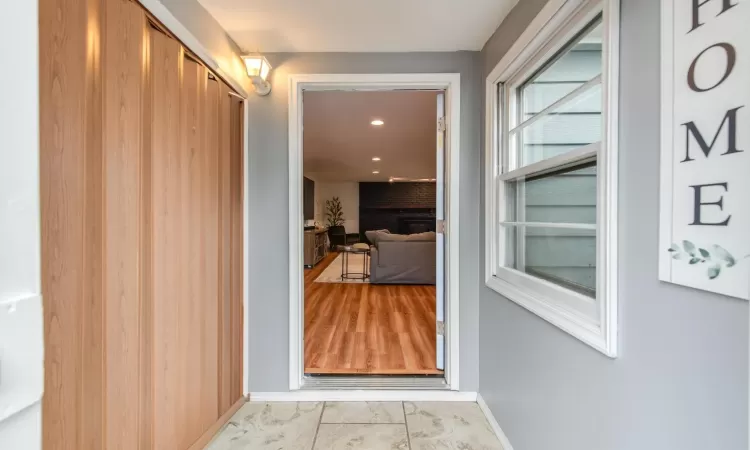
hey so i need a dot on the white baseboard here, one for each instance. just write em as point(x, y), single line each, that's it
point(364, 396)
point(493, 423)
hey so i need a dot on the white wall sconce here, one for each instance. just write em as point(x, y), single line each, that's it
point(258, 69)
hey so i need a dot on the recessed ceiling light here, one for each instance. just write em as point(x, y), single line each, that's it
point(376, 159)
point(377, 122)
point(376, 172)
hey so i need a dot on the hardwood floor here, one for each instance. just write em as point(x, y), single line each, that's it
point(368, 329)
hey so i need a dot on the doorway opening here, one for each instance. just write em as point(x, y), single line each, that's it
point(373, 268)
point(370, 249)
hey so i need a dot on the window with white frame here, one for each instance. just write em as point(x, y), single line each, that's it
point(552, 172)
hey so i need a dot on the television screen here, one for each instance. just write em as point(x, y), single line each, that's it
point(309, 198)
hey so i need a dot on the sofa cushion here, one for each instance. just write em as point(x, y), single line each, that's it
point(428, 236)
point(393, 238)
point(374, 235)
point(419, 237)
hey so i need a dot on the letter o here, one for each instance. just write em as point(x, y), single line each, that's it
point(731, 61)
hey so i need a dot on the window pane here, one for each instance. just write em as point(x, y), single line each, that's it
point(566, 257)
point(564, 196)
point(579, 63)
point(572, 125)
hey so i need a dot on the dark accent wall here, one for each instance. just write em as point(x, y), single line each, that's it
point(402, 208)
point(397, 195)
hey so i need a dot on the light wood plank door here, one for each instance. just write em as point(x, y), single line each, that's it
point(142, 223)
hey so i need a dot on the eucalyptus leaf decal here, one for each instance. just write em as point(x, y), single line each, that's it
point(718, 258)
point(714, 271)
point(724, 255)
point(689, 247)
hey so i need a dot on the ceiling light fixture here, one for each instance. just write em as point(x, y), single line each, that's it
point(376, 159)
point(376, 172)
point(258, 69)
point(377, 122)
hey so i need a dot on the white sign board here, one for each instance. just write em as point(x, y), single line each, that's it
point(705, 160)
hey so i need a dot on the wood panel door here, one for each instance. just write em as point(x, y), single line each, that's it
point(141, 194)
point(92, 77)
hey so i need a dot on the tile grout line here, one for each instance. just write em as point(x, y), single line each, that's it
point(406, 424)
point(361, 423)
point(317, 430)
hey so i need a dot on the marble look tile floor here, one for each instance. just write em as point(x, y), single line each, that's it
point(357, 425)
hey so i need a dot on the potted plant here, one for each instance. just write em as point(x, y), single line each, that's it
point(335, 218)
point(334, 212)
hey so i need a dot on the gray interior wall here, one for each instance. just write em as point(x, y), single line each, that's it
point(207, 30)
point(681, 381)
point(268, 196)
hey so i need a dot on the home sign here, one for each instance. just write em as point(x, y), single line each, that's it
point(705, 151)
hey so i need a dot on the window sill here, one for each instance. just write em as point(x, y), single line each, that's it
point(583, 329)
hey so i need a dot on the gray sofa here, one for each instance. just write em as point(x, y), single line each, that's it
point(402, 259)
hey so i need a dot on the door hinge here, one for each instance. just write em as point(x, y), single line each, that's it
point(441, 125)
point(440, 226)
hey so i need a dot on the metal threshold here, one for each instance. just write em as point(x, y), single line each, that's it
point(374, 382)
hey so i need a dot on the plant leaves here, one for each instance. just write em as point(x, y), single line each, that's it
point(677, 255)
point(695, 260)
point(722, 254)
point(674, 248)
point(689, 247)
point(714, 271)
point(704, 253)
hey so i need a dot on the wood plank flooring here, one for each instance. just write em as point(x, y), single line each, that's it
point(368, 329)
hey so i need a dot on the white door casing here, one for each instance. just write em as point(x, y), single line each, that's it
point(440, 216)
point(450, 84)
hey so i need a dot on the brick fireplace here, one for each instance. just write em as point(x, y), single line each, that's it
point(403, 208)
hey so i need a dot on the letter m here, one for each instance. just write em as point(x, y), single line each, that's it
point(730, 119)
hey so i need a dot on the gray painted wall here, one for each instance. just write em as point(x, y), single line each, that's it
point(268, 314)
point(226, 53)
point(681, 381)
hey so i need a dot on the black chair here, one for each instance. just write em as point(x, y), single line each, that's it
point(337, 236)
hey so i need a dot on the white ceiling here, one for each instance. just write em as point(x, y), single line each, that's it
point(359, 25)
point(339, 141)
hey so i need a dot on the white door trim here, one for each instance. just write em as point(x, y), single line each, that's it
point(450, 82)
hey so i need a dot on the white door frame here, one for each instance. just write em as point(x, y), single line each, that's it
point(450, 82)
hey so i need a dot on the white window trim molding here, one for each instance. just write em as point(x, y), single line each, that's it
point(601, 335)
point(451, 83)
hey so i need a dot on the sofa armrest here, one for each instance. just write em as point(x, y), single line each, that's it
point(374, 256)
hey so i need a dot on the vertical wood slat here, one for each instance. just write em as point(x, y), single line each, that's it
point(225, 288)
point(146, 195)
point(123, 65)
point(70, 191)
point(236, 199)
point(92, 412)
point(167, 205)
point(190, 326)
point(210, 352)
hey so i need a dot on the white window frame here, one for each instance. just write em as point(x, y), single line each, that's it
point(592, 321)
